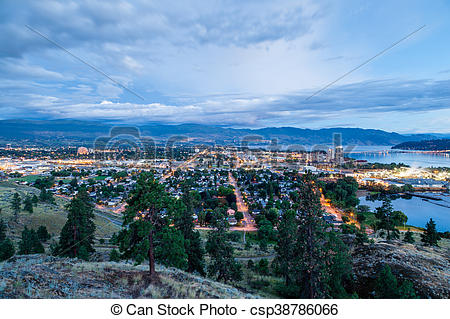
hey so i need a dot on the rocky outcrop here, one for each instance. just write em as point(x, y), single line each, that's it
point(427, 268)
point(41, 276)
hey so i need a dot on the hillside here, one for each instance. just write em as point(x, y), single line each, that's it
point(427, 268)
point(40, 276)
point(71, 132)
point(427, 145)
point(51, 216)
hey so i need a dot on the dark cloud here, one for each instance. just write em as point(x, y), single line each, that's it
point(358, 99)
point(194, 62)
point(95, 23)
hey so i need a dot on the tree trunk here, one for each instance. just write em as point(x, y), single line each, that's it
point(151, 258)
point(75, 241)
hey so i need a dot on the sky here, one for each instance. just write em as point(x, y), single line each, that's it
point(230, 63)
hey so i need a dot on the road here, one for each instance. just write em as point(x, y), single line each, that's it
point(248, 221)
point(330, 209)
point(183, 165)
point(338, 213)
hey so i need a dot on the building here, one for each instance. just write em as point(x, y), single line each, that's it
point(339, 154)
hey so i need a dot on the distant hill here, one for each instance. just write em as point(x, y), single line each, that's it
point(72, 132)
point(426, 145)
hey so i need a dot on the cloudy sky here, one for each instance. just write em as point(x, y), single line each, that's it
point(233, 63)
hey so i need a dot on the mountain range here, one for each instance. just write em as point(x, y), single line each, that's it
point(75, 132)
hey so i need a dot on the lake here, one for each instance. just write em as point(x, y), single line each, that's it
point(383, 154)
point(419, 211)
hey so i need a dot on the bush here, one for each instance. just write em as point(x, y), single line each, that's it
point(234, 236)
point(6, 249)
point(263, 266)
point(30, 243)
point(43, 234)
point(114, 255)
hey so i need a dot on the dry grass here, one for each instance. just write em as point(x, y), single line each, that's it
point(40, 276)
point(51, 216)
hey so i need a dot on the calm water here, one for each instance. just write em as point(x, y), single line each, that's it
point(419, 211)
point(382, 154)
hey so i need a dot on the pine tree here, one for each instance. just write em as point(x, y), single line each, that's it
point(183, 221)
point(30, 243)
point(285, 248)
point(339, 266)
point(6, 249)
point(15, 206)
point(2, 230)
point(310, 268)
point(196, 252)
point(46, 196)
point(34, 200)
point(386, 286)
point(387, 220)
point(409, 237)
point(114, 255)
point(76, 238)
point(28, 205)
point(6, 245)
point(430, 236)
point(223, 266)
point(170, 248)
point(43, 234)
point(318, 262)
point(142, 218)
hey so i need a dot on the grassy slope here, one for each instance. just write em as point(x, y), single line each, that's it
point(40, 276)
point(51, 216)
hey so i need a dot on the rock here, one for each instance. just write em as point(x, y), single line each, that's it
point(427, 268)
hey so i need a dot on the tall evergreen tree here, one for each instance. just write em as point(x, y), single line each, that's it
point(30, 243)
point(338, 266)
point(311, 236)
point(387, 287)
point(430, 236)
point(387, 220)
point(196, 252)
point(142, 218)
point(170, 248)
point(43, 234)
point(28, 205)
point(223, 266)
point(285, 248)
point(6, 245)
point(183, 221)
point(77, 235)
point(317, 262)
point(15, 206)
point(2, 230)
point(7, 249)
